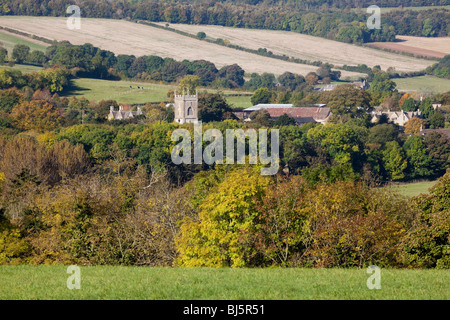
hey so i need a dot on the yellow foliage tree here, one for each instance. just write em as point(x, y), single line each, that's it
point(413, 126)
point(36, 115)
point(221, 236)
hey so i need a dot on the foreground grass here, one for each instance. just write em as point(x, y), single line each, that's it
point(108, 282)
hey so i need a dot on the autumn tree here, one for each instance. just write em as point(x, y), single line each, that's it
point(413, 126)
point(36, 115)
point(281, 221)
point(222, 233)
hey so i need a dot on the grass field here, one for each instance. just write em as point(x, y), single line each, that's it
point(413, 189)
point(9, 40)
point(107, 282)
point(307, 47)
point(95, 89)
point(24, 68)
point(423, 84)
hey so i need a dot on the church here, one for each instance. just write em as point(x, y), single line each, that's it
point(186, 107)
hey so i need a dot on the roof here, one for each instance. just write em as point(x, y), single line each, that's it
point(268, 105)
point(328, 87)
point(443, 131)
point(276, 106)
point(311, 113)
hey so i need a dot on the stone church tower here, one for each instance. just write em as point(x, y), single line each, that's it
point(186, 107)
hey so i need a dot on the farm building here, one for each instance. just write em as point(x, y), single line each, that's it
point(319, 113)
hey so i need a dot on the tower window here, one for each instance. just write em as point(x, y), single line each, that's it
point(189, 111)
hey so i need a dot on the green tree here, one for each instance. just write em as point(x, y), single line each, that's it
point(347, 101)
point(437, 120)
point(427, 243)
point(394, 160)
point(409, 105)
point(285, 120)
point(426, 107)
point(438, 147)
point(342, 142)
point(213, 107)
point(3, 55)
point(20, 53)
point(419, 162)
point(261, 95)
point(188, 84)
point(428, 29)
point(36, 57)
point(201, 35)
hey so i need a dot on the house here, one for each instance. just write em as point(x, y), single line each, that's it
point(400, 118)
point(122, 114)
point(363, 84)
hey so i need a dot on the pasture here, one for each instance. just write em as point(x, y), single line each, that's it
point(423, 84)
point(9, 40)
point(139, 283)
point(95, 89)
point(124, 37)
point(24, 68)
point(413, 189)
point(308, 47)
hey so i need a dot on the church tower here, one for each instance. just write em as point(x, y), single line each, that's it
point(186, 107)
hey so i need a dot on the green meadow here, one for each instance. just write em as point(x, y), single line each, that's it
point(8, 41)
point(423, 84)
point(413, 189)
point(95, 89)
point(137, 283)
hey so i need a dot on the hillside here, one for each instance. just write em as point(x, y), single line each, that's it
point(122, 37)
point(311, 48)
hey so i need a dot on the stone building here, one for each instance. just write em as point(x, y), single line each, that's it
point(186, 107)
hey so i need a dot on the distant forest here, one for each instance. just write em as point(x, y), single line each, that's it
point(323, 18)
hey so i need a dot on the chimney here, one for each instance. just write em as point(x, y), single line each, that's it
point(111, 108)
point(120, 108)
